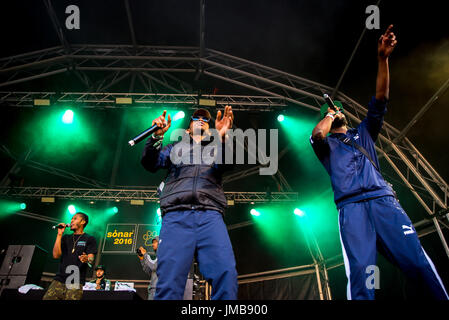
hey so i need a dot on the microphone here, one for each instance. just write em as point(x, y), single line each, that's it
point(329, 102)
point(143, 135)
point(61, 226)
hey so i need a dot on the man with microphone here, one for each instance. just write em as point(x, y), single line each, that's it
point(192, 203)
point(370, 217)
point(76, 253)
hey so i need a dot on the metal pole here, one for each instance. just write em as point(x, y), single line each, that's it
point(320, 289)
point(326, 278)
point(440, 233)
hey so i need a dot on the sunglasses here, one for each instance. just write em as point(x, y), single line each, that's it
point(200, 118)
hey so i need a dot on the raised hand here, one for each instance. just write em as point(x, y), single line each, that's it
point(387, 43)
point(162, 123)
point(222, 124)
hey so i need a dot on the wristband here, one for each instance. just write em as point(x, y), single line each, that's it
point(330, 115)
point(156, 137)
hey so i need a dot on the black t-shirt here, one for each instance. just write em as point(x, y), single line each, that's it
point(82, 243)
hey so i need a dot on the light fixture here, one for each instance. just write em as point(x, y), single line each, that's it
point(71, 209)
point(207, 102)
point(48, 199)
point(67, 117)
point(41, 102)
point(299, 212)
point(123, 100)
point(254, 212)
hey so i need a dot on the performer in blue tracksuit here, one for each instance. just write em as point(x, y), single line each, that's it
point(192, 204)
point(370, 217)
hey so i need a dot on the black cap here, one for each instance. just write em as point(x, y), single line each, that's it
point(202, 113)
point(100, 266)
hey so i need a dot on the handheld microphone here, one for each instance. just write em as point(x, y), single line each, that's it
point(61, 226)
point(143, 135)
point(329, 102)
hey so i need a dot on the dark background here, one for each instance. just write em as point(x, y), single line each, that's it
point(311, 39)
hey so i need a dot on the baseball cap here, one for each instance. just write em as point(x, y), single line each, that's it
point(201, 113)
point(100, 266)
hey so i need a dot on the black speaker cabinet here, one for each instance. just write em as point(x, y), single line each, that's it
point(23, 264)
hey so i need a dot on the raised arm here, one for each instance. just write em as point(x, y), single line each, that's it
point(385, 47)
point(377, 106)
point(57, 248)
point(324, 126)
point(154, 156)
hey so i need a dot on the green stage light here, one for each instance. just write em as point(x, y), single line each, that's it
point(179, 115)
point(255, 213)
point(71, 209)
point(158, 211)
point(280, 117)
point(111, 211)
point(299, 212)
point(10, 207)
point(67, 117)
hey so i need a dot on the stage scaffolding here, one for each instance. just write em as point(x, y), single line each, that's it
point(156, 75)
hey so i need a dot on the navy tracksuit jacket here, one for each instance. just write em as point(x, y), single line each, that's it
point(370, 217)
point(192, 203)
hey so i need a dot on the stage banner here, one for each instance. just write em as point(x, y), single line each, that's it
point(120, 238)
point(146, 233)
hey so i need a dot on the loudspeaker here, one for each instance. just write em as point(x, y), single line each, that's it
point(23, 264)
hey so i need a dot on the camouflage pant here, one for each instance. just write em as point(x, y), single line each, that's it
point(58, 291)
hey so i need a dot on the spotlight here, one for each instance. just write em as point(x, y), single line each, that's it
point(179, 115)
point(72, 209)
point(68, 117)
point(299, 212)
point(280, 117)
point(158, 211)
point(255, 213)
point(114, 210)
point(23, 206)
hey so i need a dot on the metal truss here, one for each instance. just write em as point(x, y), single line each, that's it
point(160, 69)
point(153, 64)
point(149, 195)
point(276, 86)
point(107, 100)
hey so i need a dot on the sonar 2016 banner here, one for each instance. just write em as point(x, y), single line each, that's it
point(126, 238)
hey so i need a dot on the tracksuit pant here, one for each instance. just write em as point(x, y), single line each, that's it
point(184, 234)
point(381, 224)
